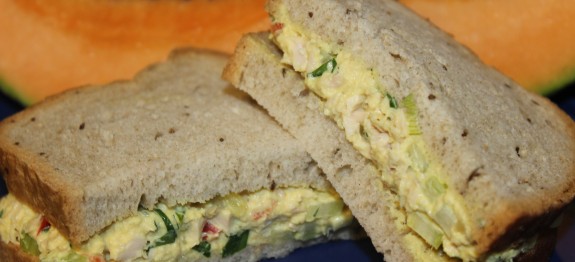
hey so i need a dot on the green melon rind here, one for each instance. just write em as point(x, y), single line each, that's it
point(557, 83)
point(13, 93)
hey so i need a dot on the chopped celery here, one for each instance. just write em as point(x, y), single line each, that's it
point(236, 243)
point(29, 245)
point(204, 248)
point(237, 204)
point(425, 228)
point(324, 210)
point(418, 160)
point(327, 66)
point(278, 234)
point(392, 101)
point(309, 231)
point(433, 187)
point(180, 212)
point(446, 218)
point(411, 112)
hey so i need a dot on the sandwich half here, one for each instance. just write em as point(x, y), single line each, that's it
point(172, 166)
point(438, 156)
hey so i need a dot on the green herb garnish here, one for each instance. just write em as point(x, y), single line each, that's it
point(203, 247)
point(236, 243)
point(327, 66)
point(169, 237)
point(29, 245)
point(1, 213)
point(392, 101)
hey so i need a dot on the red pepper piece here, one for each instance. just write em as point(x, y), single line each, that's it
point(44, 225)
point(277, 27)
point(97, 258)
point(209, 229)
point(265, 212)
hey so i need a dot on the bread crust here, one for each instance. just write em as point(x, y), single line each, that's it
point(13, 253)
point(543, 249)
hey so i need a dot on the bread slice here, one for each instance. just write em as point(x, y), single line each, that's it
point(13, 253)
point(507, 152)
point(177, 133)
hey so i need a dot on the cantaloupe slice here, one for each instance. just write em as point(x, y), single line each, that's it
point(531, 41)
point(49, 46)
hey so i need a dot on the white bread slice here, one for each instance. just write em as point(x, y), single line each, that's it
point(508, 152)
point(176, 133)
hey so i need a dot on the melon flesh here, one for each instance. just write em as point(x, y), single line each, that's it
point(530, 41)
point(50, 46)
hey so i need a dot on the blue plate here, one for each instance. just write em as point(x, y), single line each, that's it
point(363, 251)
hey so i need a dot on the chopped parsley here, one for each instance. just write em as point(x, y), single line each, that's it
point(236, 243)
point(204, 248)
point(392, 101)
point(1, 213)
point(169, 237)
point(29, 245)
point(327, 66)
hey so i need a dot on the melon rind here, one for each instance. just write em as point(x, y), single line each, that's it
point(14, 93)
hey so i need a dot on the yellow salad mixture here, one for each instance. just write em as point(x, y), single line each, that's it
point(220, 227)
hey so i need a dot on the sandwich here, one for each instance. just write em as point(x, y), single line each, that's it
point(174, 165)
point(438, 156)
